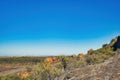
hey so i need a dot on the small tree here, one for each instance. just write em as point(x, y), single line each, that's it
point(64, 61)
point(104, 45)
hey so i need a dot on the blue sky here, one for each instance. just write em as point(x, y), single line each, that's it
point(55, 27)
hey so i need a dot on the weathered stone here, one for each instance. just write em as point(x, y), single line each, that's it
point(109, 70)
point(117, 44)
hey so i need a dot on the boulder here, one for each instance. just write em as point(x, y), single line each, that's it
point(117, 44)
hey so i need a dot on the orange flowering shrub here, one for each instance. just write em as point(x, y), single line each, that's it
point(81, 56)
point(48, 60)
point(25, 75)
point(51, 60)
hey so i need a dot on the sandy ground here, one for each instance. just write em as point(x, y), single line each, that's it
point(11, 71)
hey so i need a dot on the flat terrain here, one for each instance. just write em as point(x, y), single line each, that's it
point(9, 69)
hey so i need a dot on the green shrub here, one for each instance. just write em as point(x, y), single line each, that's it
point(99, 55)
point(11, 77)
point(64, 60)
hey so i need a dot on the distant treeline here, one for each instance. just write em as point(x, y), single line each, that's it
point(24, 59)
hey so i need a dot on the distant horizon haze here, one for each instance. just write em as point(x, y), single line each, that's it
point(51, 48)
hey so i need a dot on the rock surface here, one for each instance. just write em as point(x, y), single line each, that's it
point(117, 44)
point(109, 70)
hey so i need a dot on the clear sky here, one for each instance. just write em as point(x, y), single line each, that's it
point(55, 27)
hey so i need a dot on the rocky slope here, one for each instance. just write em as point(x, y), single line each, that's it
point(109, 70)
